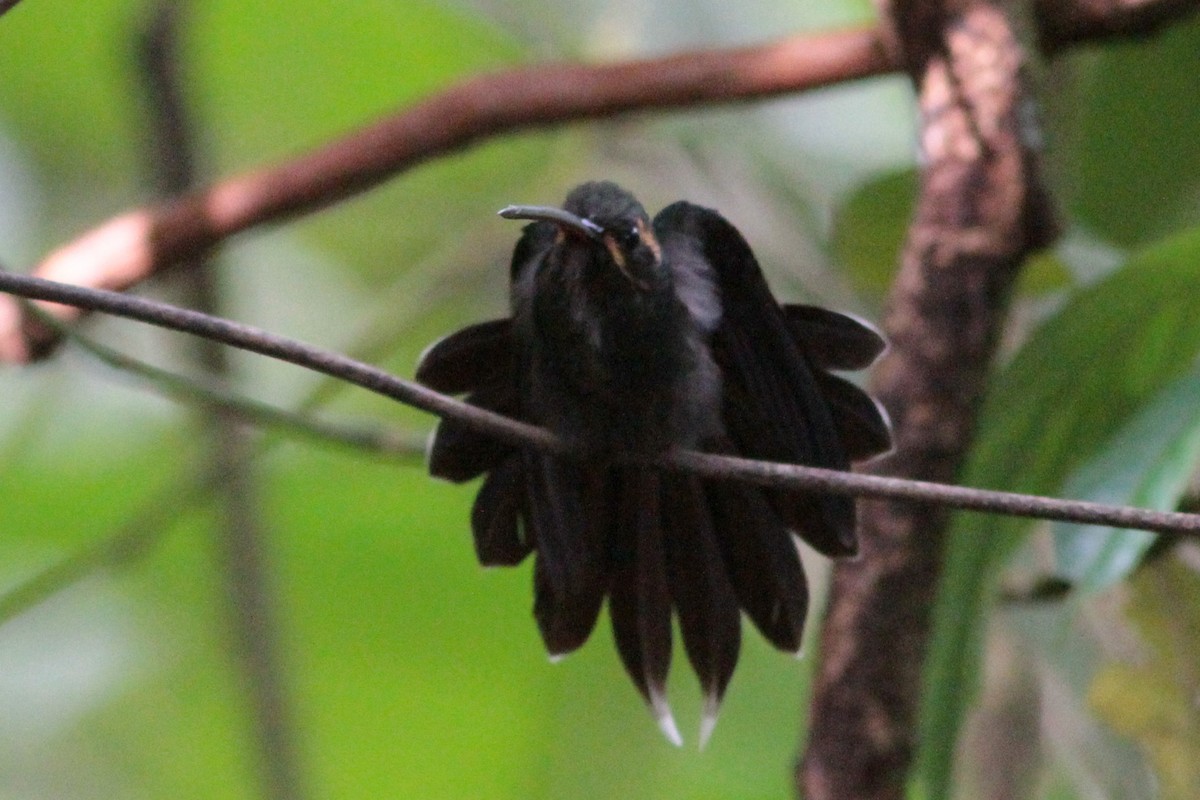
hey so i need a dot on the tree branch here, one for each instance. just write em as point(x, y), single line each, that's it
point(129, 248)
point(376, 440)
point(515, 432)
point(405, 304)
point(982, 209)
point(239, 533)
point(1063, 23)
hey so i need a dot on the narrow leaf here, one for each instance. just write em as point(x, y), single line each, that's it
point(1081, 377)
point(1146, 464)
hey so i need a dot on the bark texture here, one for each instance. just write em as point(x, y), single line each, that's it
point(982, 210)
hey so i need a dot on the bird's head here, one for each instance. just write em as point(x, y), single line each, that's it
point(606, 222)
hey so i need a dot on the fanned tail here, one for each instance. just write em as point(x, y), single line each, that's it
point(763, 563)
point(639, 598)
point(500, 517)
point(569, 513)
point(709, 617)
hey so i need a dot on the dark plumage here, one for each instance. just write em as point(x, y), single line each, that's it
point(628, 338)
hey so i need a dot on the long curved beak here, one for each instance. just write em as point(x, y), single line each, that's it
point(564, 219)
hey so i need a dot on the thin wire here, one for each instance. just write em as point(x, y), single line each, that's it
point(785, 476)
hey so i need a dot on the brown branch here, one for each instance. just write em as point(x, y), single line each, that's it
point(1062, 23)
point(981, 210)
point(7, 5)
point(127, 249)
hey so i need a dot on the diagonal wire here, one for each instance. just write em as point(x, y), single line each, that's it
point(516, 432)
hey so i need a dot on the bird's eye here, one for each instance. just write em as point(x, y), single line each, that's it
point(629, 238)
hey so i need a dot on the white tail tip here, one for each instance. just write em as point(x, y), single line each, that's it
point(708, 723)
point(666, 720)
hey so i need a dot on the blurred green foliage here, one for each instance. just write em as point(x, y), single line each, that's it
point(412, 671)
point(1150, 695)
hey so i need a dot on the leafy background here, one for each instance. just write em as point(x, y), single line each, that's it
point(412, 671)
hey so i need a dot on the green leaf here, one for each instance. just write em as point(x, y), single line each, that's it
point(1080, 378)
point(66, 90)
point(870, 229)
point(1146, 464)
point(1132, 174)
point(1044, 272)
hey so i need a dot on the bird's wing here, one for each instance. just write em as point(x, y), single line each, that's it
point(478, 359)
point(773, 408)
point(861, 421)
point(834, 340)
point(481, 360)
point(458, 453)
point(468, 358)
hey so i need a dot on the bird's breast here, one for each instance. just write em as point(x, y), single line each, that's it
point(629, 372)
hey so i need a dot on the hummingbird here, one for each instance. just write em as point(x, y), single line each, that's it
point(629, 337)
